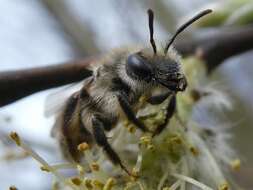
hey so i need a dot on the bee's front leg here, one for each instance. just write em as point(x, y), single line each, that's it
point(158, 99)
point(101, 139)
point(170, 110)
point(126, 107)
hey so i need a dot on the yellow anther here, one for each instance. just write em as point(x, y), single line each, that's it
point(98, 184)
point(14, 136)
point(13, 188)
point(135, 172)
point(44, 168)
point(194, 151)
point(224, 186)
point(109, 184)
point(83, 146)
point(88, 184)
point(235, 164)
point(131, 129)
point(77, 181)
point(94, 166)
point(145, 140)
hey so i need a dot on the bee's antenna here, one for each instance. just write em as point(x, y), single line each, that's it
point(184, 26)
point(151, 29)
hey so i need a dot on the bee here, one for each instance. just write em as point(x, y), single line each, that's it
point(111, 93)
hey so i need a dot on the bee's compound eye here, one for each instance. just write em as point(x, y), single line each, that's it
point(137, 67)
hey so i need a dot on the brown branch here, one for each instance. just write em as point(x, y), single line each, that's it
point(18, 84)
point(214, 48)
point(218, 45)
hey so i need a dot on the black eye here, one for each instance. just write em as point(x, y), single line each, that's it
point(138, 68)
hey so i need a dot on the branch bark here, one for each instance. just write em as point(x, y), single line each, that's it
point(218, 45)
point(18, 84)
point(213, 48)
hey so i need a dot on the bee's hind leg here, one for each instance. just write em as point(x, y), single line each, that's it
point(170, 110)
point(101, 139)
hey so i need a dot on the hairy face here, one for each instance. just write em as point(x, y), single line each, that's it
point(158, 69)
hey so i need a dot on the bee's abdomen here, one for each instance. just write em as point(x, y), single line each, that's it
point(69, 110)
point(72, 129)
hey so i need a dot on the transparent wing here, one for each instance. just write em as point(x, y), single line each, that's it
point(56, 100)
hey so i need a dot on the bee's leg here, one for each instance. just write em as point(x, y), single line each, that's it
point(125, 105)
point(170, 110)
point(107, 123)
point(158, 99)
point(101, 139)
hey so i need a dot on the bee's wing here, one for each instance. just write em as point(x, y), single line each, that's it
point(56, 100)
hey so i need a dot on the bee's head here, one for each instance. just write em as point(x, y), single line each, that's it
point(157, 70)
point(158, 67)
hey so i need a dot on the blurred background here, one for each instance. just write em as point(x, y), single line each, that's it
point(42, 32)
